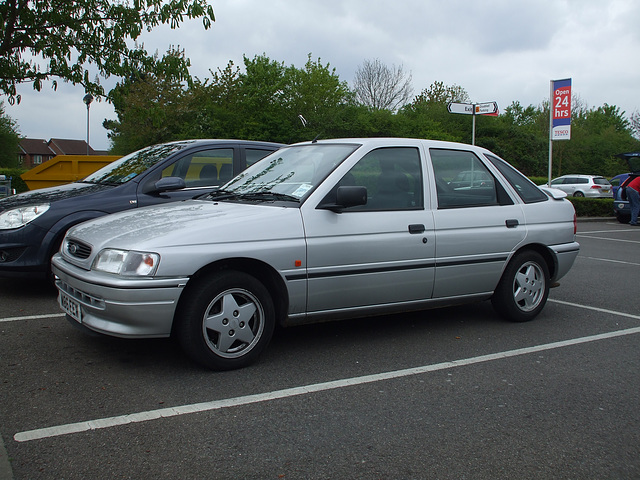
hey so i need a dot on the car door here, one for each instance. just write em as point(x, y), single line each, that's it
point(476, 227)
point(202, 170)
point(377, 254)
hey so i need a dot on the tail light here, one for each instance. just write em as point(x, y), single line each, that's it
point(596, 186)
point(575, 224)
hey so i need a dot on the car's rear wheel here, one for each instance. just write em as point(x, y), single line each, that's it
point(623, 218)
point(524, 287)
point(578, 194)
point(226, 320)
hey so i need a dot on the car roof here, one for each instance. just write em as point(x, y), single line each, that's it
point(201, 141)
point(581, 176)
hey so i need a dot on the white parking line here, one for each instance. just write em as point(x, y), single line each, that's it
point(109, 422)
point(629, 229)
point(611, 261)
point(31, 317)
point(609, 239)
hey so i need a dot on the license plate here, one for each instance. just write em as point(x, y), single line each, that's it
point(71, 307)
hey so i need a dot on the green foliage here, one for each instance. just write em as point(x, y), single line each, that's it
point(16, 182)
point(71, 36)
point(592, 207)
point(9, 140)
point(268, 100)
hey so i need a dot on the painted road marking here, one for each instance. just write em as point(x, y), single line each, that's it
point(31, 317)
point(100, 423)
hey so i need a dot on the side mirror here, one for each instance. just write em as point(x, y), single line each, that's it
point(347, 196)
point(166, 184)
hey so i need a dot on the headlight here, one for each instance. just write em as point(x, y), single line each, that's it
point(19, 217)
point(128, 263)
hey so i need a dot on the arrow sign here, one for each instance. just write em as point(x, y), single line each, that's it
point(486, 108)
point(464, 108)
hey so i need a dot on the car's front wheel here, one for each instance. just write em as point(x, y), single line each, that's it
point(524, 287)
point(225, 320)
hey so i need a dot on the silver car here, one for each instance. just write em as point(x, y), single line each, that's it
point(590, 186)
point(319, 231)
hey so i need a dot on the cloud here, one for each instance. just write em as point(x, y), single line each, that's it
point(497, 50)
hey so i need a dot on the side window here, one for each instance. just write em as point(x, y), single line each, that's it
point(462, 180)
point(204, 168)
point(393, 177)
point(253, 155)
point(525, 188)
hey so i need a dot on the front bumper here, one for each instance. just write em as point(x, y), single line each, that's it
point(127, 308)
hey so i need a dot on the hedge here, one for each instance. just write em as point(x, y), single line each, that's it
point(592, 207)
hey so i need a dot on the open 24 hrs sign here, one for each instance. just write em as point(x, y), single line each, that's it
point(561, 109)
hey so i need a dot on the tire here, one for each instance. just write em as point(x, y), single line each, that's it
point(578, 194)
point(226, 320)
point(623, 218)
point(523, 289)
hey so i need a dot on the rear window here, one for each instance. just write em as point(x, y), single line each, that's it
point(601, 181)
point(526, 189)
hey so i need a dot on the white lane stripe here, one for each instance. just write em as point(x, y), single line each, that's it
point(596, 309)
point(611, 261)
point(55, 431)
point(31, 317)
point(609, 239)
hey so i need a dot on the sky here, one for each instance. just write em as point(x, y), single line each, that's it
point(497, 50)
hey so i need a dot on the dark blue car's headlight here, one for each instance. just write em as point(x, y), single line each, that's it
point(20, 216)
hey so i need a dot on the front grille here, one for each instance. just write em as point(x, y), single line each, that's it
point(78, 249)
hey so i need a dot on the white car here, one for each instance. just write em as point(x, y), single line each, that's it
point(591, 186)
point(319, 231)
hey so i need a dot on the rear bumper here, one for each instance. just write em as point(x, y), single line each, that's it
point(565, 255)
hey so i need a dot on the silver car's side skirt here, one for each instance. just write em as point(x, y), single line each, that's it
point(386, 309)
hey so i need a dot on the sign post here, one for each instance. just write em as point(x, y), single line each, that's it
point(487, 108)
point(559, 115)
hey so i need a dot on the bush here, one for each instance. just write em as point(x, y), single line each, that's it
point(539, 180)
point(16, 182)
point(592, 207)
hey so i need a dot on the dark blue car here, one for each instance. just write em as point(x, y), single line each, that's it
point(620, 204)
point(32, 224)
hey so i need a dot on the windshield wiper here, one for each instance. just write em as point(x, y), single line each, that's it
point(265, 196)
point(220, 194)
point(251, 196)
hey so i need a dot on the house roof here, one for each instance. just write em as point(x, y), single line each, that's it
point(35, 146)
point(70, 147)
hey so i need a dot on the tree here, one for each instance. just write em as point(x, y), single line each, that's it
point(382, 88)
point(9, 140)
point(635, 124)
point(429, 117)
point(60, 39)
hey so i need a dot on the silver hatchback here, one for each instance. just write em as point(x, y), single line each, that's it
point(320, 231)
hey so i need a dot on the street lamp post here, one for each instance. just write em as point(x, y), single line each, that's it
point(88, 98)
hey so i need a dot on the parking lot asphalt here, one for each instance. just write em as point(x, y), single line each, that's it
point(452, 393)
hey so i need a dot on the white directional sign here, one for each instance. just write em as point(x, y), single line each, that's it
point(464, 108)
point(486, 108)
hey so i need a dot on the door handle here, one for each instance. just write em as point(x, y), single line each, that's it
point(512, 223)
point(416, 228)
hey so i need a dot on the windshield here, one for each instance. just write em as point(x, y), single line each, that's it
point(126, 168)
point(290, 172)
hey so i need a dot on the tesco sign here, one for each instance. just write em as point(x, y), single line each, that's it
point(561, 109)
